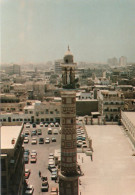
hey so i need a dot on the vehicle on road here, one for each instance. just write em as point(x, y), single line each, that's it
point(27, 173)
point(44, 186)
point(29, 190)
point(34, 141)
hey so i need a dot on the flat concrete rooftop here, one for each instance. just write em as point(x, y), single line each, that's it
point(112, 171)
point(7, 134)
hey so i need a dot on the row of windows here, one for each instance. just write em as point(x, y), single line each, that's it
point(27, 120)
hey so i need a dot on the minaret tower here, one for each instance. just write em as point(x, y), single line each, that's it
point(68, 176)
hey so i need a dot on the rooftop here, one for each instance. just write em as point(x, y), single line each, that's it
point(7, 134)
point(112, 169)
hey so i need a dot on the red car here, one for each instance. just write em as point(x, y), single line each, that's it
point(27, 173)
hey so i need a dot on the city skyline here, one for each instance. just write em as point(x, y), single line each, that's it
point(40, 31)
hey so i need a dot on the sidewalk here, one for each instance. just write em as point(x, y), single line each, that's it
point(112, 171)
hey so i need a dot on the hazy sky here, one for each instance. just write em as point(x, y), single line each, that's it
point(41, 30)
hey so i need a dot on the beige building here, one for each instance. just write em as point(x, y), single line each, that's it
point(110, 104)
point(128, 121)
point(12, 163)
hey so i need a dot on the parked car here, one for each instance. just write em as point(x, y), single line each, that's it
point(39, 132)
point(27, 151)
point(41, 124)
point(46, 124)
point(33, 159)
point(53, 139)
point(33, 153)
point(54, 191)
point(55, 131)
point(56, 124)
point(54, 175)
point(27, 173)
point(44, 186)
point(49, 130)
point(52, 124)
point(26, 159)
point(27, 125)
point(26, 140)
point(34, 141)
point(26, 132)
point(41, 140)
point(29, 190)
point(47, 140)
point(34, 132)
point(34, 125)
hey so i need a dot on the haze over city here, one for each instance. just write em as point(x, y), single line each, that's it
point(40, 30)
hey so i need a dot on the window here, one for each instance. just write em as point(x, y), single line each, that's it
point(68, 137)
point(68, 100)
point(51, 112)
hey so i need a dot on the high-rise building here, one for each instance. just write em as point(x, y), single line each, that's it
point(68, 176)
point(122, 61)
point(113, 61)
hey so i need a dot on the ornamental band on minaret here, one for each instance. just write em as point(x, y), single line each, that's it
point(68, 176)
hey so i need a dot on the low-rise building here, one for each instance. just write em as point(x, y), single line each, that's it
point(12, 163)
point(110, 104)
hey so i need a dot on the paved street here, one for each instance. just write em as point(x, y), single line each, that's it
point(112, 171)
point(43, 151)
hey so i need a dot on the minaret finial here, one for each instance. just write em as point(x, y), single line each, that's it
point(68, 48)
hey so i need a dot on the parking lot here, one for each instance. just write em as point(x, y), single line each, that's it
point(43, 151)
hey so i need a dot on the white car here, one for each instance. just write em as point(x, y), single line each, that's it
point(27, 125)
point(41, 124)
point(34, 141)
point(29, 189)
point(47, 140)
point(26, 140)
point(55, 131)
point(33, 153)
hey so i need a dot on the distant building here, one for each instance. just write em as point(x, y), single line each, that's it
point(57, 65)
point(12, 163)
point(113, 62)
point(13, 69)
point(110, 104)
point(122, 61)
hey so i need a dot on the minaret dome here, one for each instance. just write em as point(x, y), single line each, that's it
point(68, 57)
